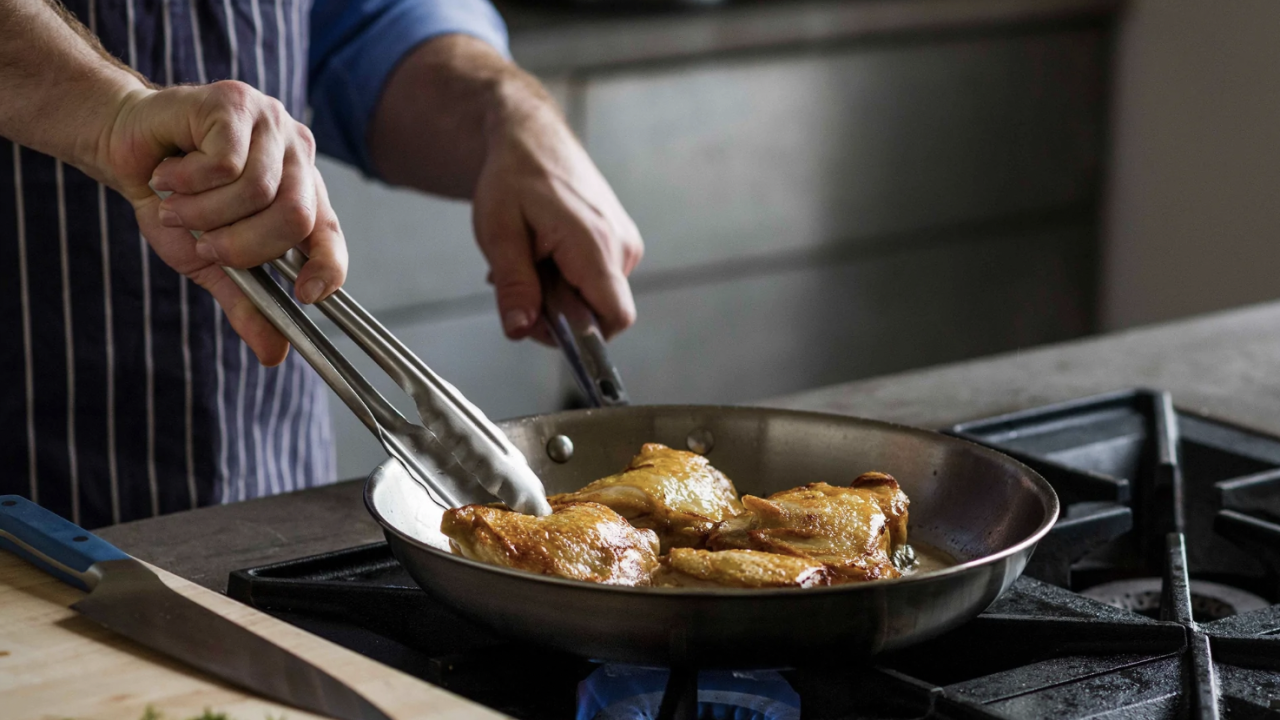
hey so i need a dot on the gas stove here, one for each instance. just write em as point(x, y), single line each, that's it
point(1154, 596)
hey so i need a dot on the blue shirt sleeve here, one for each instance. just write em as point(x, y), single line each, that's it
point(355, 44)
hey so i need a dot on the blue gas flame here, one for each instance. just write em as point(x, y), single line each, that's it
point(627, 692)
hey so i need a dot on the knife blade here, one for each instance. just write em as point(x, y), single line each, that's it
point(126, 597)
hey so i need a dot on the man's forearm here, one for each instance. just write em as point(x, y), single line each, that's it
point(59, 91)
point(458, 118)
point(433, 124)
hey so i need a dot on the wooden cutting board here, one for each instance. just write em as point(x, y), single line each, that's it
point(57, 665)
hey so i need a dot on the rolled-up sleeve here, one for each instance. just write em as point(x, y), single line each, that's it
point(355, 44)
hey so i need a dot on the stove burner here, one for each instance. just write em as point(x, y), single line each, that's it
point(627, 692)
point(1209, 600)
point(1204, 496)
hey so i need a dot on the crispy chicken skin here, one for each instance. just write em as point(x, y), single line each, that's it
point(675, 493)
point(579, 540)
point(892, 501)
point(686, 567)
point(854, 530)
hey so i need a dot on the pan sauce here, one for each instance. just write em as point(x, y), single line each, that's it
point(928, 559)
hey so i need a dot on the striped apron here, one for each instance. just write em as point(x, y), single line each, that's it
point(126, 392)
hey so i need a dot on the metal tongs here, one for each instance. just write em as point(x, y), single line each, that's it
point(456, 453)
point(577, 332)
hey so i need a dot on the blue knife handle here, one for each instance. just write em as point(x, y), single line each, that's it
point(57, 546)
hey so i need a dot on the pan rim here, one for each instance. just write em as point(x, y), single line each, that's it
point(1049, 500)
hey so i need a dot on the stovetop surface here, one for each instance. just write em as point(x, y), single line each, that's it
point(1168, 518)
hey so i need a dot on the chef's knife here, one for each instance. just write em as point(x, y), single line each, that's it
point(127, 598)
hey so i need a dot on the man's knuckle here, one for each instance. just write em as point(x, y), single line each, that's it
point(627, 317)
point(512, 285)
point(307, 140)
point(634, 250)
point(297, 217)
point(601, 231)
point(631, 237)
point(224, 169)
point(328, 224)
point(275, 112)
point(233, 97)
point(259, 192)
point(223, 89)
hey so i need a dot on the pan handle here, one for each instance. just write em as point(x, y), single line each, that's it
point(577, 332)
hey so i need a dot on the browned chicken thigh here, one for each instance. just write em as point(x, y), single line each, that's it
point(675, 493)
point(854, 530)
point(579, 540)
point(893, 502)
point(686, 567)
point(670, 519)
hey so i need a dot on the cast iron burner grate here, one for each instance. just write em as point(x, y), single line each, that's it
point(1147, 491)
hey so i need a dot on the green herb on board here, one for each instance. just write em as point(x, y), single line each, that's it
point(152, 714)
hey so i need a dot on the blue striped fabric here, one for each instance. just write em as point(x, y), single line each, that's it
point(127, 394)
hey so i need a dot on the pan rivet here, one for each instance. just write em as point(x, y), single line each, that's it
point(700, 441)
point(560, 448)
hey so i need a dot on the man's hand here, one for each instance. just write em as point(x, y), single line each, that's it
point(246, 176)
point(458, 118)
point(540, 196)
point(246, 179)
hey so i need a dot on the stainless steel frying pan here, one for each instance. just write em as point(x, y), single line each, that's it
point(983, 508)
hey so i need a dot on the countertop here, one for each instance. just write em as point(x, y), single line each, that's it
point(1225, 365)
point(560, 37)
